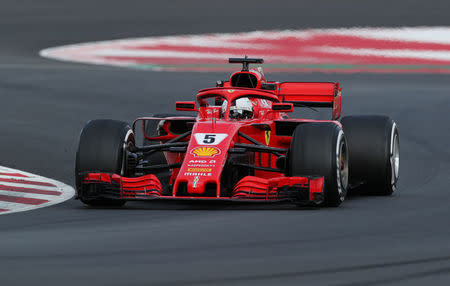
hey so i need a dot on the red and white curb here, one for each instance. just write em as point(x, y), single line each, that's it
point(393, 50)
point(22, 191)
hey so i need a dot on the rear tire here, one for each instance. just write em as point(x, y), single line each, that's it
point(320, 149)
point(374, 157)
point(101, 149)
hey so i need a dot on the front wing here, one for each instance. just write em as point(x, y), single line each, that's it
point(300, 190)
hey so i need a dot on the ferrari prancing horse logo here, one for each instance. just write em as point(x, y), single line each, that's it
point(267, 136)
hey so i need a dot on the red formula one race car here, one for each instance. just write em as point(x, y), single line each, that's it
point(241, 146)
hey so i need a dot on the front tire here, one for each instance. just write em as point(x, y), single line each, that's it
point(320, 149)
point(102, 148)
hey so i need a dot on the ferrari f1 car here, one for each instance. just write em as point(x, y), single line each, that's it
point(241, 146)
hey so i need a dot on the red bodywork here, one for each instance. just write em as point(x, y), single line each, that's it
point(199, 170)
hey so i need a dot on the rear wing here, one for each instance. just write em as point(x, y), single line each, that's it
point(312, 94)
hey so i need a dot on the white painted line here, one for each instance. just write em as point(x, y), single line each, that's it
point(6, 207)
point(355, 49)
point(48, 188)
point(19, 207)
point(132, 53)
point(439, 35)
point(16, 176)
point(159, 54)
point(423, 54)
point(28, 195)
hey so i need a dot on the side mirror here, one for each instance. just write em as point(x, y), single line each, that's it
point(283, 107)
point(186, 106)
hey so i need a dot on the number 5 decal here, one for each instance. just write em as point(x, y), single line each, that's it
point(209, 138)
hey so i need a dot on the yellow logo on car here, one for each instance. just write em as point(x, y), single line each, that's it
point(205, 151)
point(201, 170)
point(267, 136)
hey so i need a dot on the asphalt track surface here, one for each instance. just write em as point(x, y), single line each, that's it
point(398, 240)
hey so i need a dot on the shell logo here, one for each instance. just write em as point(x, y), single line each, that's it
point(205, 151)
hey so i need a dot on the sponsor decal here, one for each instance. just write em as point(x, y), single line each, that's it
point(202, 161)
point(205, 151)
point(230, 90)
point(267, 137)
point(203, 170)
point(209, 138)
point(198, 174)
point(195, 182)
point(201, 164)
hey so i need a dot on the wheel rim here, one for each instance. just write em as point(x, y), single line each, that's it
point(128, 142)
point(394, 157)
point(342, 166)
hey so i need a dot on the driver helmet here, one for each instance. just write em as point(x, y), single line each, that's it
point(242, 109)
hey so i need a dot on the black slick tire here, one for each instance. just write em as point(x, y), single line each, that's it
point(374, 155)
point(320, 149)
point(101, 149)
